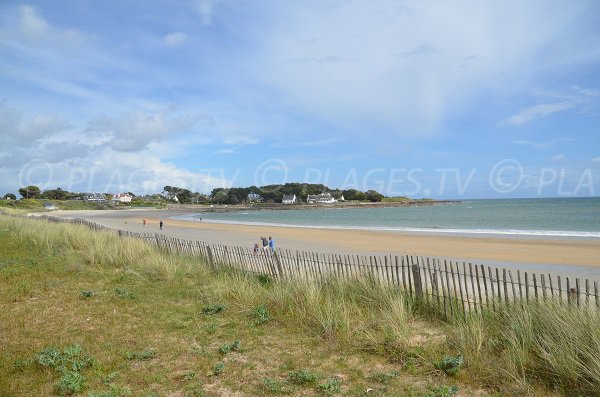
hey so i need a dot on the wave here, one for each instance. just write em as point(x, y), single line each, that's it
point(432, 230)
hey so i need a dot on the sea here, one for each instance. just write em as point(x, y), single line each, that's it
point(577, 218)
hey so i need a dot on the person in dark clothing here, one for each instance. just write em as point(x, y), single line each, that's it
point(265, 243)
point(160, 224)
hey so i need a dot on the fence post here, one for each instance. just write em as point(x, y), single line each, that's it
point(211, 261)
point(278, 263)
point(417, 281)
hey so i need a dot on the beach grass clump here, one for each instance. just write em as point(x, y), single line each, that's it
point(539, 344)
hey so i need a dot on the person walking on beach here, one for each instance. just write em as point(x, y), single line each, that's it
point(265, 243)
point(271, 243)
point(256, 249)
point(160, 224)
point(144, 222)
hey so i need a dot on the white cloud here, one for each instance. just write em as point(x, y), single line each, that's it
point(31, 22)
point(174, 39)
point(205, 9)
point(17, 131)
point(538, 111)
point(541, 145)
point(33, 27)
point(378, 65)
point(136, 130)
point(45, 150)
point(574, 97)
point(596, 159)
point(558, 157)
point(226, 151)
point(240, 141)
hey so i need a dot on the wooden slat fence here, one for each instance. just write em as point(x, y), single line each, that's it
point(456, 288)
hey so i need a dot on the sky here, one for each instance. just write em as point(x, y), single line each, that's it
point(438, 99)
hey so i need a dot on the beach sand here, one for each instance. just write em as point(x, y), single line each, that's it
point(579, 256)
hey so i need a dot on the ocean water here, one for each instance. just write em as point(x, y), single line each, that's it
point(556, 217)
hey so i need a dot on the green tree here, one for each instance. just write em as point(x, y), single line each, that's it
point(10, 196)
point(184, 196)
point(30, 192)
point(353, 194)
point(374, 196)
point(56, 194)
point(220, 197)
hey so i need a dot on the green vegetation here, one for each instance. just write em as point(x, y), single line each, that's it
point(339, 338)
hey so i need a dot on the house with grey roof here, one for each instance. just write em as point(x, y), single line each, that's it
point(323, 198)
point(289, 199)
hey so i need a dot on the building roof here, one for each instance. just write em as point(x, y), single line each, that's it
point(318, 196)
point(289, 197)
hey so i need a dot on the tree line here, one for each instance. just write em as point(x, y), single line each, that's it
point(235, 195)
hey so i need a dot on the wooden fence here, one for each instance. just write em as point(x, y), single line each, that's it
point(455, 287)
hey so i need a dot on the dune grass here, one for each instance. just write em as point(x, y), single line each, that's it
point(157, 324)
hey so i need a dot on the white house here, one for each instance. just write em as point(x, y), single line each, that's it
point(94, 197)
point(254, 197)
point(122, 198)
point(323, 198)
point(289, 199)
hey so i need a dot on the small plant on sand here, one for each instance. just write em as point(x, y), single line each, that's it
point(86, 294)
point(262, 315)
point(442, 391)
point(230, 347)
point(124, 293)
point(331, 386)
point(189, 375)
point(384, 377)
point(71, 382)
point(214, 309)
point(218, 369)
point(148, 354)
point(450, 364)
point(69, 363)
point(272, 386)
point(303, 377)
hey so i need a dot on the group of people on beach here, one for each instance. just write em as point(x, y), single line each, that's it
point(160, 224)
point(267, 244)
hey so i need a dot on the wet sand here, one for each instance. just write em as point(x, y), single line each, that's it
point(579, 256)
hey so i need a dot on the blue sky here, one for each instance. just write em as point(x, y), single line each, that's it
point(452, 99)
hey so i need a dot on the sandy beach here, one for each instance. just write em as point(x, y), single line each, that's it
point(575, 256)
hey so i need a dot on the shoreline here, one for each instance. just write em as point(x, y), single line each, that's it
point(474, 233)
point(562, 255)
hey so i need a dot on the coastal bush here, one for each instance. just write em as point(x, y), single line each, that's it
point(86, 294)
point(230, 347)
point(218, 369)
point(272, 386)
point(384, 377)
point(330, 386)
point(262, 315)
point(450, 364)
point(68, 363)
point(213, 309)
point(303, 377)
